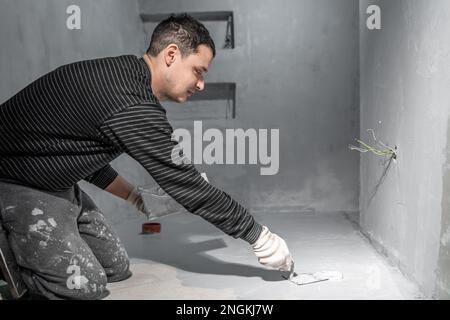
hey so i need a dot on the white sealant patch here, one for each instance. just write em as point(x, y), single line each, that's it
point(307, 278)
point(330, 275)
point(52, 222)
point(445, 239)
point(43, 243)
point(42, 228)
point(37, 212)
point(40, 225)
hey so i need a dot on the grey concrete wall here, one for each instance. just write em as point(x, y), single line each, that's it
point(443, 268)
point(34, 37)
point(296, 68)
point(404, 97)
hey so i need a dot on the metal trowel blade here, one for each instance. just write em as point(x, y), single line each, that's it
point(302, 278)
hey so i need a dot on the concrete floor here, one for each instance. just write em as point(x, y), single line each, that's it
point(191, 259)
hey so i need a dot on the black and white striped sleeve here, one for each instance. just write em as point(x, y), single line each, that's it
point(102, 178)
point(144, 133)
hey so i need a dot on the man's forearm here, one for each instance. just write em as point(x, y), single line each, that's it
point(120, 187)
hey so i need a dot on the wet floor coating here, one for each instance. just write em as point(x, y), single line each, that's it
point(191, 259)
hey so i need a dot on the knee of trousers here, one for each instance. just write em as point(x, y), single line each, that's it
point(88, 286)
point(76, 286)
point(120, 270)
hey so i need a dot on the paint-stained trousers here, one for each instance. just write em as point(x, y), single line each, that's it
point(61, 241)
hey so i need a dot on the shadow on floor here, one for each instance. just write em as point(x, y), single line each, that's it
point(174, 248)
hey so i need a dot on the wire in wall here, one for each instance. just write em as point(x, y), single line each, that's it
point(380, 148)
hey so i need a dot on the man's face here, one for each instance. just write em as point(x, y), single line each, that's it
point(185, 75)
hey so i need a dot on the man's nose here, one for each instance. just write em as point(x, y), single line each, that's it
point(200, 85)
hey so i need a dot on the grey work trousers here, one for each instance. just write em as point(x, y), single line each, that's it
point(62, 242)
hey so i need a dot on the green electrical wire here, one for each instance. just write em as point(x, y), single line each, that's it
point(388, 151)
point(376, 151)
point(366, 148)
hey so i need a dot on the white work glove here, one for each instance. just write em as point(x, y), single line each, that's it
point(153, 203)
point(272, 251)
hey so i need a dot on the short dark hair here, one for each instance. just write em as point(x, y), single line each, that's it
point(183, 30)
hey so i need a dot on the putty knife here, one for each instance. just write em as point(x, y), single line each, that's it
point(303, 278)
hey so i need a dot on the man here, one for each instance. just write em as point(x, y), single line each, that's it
point(68, 125)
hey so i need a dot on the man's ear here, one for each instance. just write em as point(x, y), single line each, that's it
point(170, 53)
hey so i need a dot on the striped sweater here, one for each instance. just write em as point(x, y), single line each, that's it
point(70, 123)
